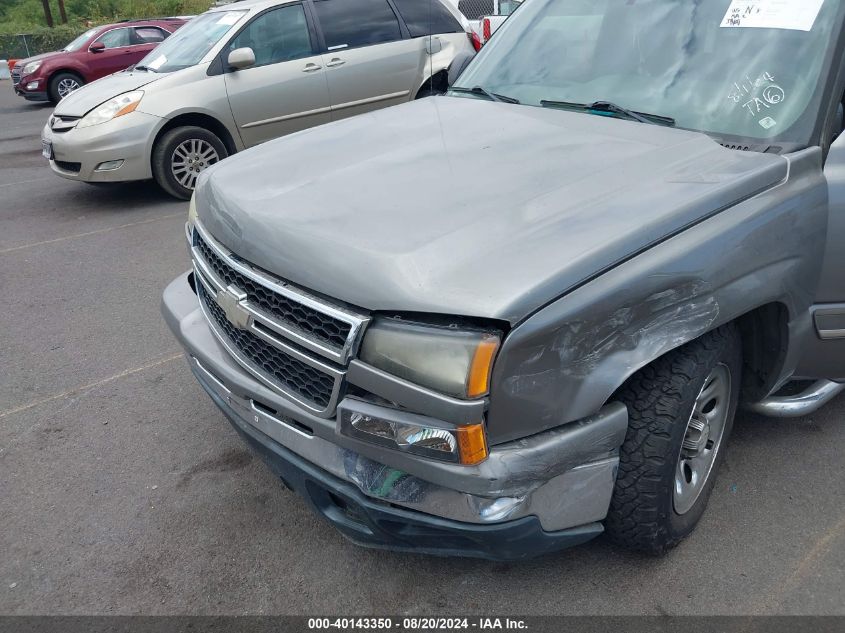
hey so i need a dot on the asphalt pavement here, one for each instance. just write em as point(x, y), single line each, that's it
point(124, 491)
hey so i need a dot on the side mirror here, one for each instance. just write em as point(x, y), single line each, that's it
point(460, 62)
point(241, 58)
point(97, 47)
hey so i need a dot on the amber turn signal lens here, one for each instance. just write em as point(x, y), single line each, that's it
point(127, 109)
point(478, 381)
point(472, 444)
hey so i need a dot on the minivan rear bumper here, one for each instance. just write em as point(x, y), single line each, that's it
point(529, 497)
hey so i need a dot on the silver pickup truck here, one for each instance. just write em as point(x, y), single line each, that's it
point(503, 321)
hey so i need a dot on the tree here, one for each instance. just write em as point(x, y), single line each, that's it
point(62, 11)
point(48, 14)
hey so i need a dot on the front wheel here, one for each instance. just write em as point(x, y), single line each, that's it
point(62, 84)
point(181, 154)
point(681, 411)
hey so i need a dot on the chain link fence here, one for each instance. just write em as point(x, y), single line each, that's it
point(23, 45)
point(476, 9)
point(15, 46)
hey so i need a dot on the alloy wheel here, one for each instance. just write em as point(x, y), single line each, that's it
point(66, 86)
point(190, 158)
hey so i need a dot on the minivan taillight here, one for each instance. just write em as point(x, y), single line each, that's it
point(475, 40)
point(486, 29)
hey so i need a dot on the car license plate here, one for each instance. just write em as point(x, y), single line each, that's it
point(47, 150)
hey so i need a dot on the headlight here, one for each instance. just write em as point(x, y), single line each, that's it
point(411, 433)
point(113, 108)
point(30, 68)
point(453, 361)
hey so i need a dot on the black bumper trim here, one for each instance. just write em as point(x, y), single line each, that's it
point(373, 524)
point(32, 96)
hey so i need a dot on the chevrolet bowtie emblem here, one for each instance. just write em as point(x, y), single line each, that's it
point(229, 301)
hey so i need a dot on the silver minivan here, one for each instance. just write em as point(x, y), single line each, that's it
point(244, 73)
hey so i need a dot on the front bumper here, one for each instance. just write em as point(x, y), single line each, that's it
point(376, 524)
point(78, 152)
point(531, 496)
point(32, 95)
point(38, 94)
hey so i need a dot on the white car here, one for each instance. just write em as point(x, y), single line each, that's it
point(247, 72)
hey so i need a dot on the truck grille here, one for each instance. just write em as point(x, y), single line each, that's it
point(293, 342)
point(322, 327)
point(305, 381)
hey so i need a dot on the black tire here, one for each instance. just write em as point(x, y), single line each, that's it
point(53, 89)
point(163, 157)
point(660, 400)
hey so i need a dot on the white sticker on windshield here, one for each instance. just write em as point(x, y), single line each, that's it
point(229, 18)
point(794, 15)
point(157, 62)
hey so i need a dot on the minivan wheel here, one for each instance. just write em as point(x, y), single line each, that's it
point(62, 84)
point(681, 411)
point(181, 154)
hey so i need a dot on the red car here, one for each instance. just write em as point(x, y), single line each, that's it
point(96, 53)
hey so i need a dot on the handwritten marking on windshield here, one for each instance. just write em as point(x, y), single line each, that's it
point(749, 95)
point(747, 86)
point(773, 94)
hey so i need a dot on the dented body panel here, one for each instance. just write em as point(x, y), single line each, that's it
point(570, 357)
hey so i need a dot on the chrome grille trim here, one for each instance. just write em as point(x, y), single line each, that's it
point(59, 124)
point(357, 322)
point(337, 375)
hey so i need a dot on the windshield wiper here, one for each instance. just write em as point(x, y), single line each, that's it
point(612, 108)
point(478, 90)
point(147, 68)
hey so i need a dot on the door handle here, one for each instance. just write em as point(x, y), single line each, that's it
point(337, 61)
point(310, 68)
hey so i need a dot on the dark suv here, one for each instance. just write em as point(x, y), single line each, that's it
point(98, 52)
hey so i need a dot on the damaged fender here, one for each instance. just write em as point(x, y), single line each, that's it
point(564, 362)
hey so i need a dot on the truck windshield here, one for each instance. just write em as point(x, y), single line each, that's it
point(739, 68)
point(187, 46)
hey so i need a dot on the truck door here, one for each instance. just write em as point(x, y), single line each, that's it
point(824, 353)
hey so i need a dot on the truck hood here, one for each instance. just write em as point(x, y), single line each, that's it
point(82, 101)
point(462, 206)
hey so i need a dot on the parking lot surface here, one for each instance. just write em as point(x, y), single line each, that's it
point(123, 490)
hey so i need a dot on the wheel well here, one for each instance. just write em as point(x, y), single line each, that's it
point(765, 338)
point(438, 82)
point(204, 121)
point(764, 332)
point(69, 71)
